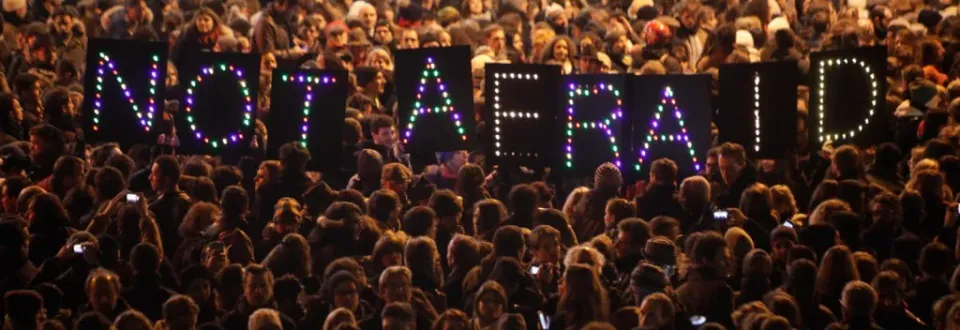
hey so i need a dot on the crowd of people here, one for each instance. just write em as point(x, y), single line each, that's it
point(98, 236)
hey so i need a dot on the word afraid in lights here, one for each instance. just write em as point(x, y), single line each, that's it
point(432, 74)
point(247, 111)
point(821, 95)
point(509, 115)
point(667, 101)
point(602, 125)
point(106, 66)
point(308, 81)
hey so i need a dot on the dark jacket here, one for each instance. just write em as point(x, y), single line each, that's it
point(897, 318)
point(660, 199)
point(290, 184)
point(169, 209)
point(147, 295)
point(707, 293)
point(46, 241)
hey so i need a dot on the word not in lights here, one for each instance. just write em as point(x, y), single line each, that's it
point(872, 82)
point(107, 66)
point(430, 73)
point(247, 111)
point(603, 125)
point(667, 102)
point(499, 114)
point(308, 81)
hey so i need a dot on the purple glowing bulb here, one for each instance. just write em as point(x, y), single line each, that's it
point(300, 78)
point(443, 87)
point(239, 73)
point(309, 97)
point(569, 148)
point(429, 59)
point(407, 134)
point(197, 135)
point(100, 71)
point(571, 86)
point(189, 100)
point(655, 123)
point(234, 138)
point(570, 110)
point(303, 128)
point(697, 167)
point(421, 89)
point(326, 80)
point(97, 104)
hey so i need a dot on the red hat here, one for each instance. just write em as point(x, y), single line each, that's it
point(655, 32)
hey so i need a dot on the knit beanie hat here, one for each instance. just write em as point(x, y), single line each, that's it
point(661, 251)
point(784, 232)
point(607, 176)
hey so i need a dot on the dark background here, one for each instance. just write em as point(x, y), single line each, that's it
point(325, 130)
point(692, 93)
point(526, 136)
point(778, 107)
point(848, 96)
point(435, 132)
point(133, 61)
point(219, 102)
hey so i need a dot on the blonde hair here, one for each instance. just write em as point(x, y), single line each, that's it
point(583, 254)
point(823, 211)
point(337, 317)
point(265, 319)
point(783, 200)
point(571, 203)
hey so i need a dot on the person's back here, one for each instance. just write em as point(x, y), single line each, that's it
point(706, 292)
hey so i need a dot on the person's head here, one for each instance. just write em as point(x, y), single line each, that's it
point(941, 318)
point(545, 244)
point(409, 39)
point(936, 259)
point(731, 161)
point(343, 290)
point(265, 319)
point(422, 258)
point(509, 241)
point(396, 177)
point(490, 301)
point(836, 269)
point(694, 192)
point(488, 214)
point(46, 211)
point(757, 202)
point(657, 311)
point(618, 209)
point(582, 296)
point(12, 187)
point(395, 284)
point(47, 144)
point(165, 174)
point(711, 250)
point(180, 312)
point(57, 102)
point(103, 290)
point(890, 289)
point(144, 259)
point(859, 300)
point(294, 157)
point(197, 283)
point(448, 207)
point(398, 316)
point(200, 216)
point(420, 221)
point(495, 38)
point(822, 213)
point(663, 171)
point(632, 237)
point(24, 309)
point(452, 319)
point(235, 203)
point(385, 206)
point(585, 255)
point(257, 285)
point(27, 88)
point(845, 162)
point(463, 252)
